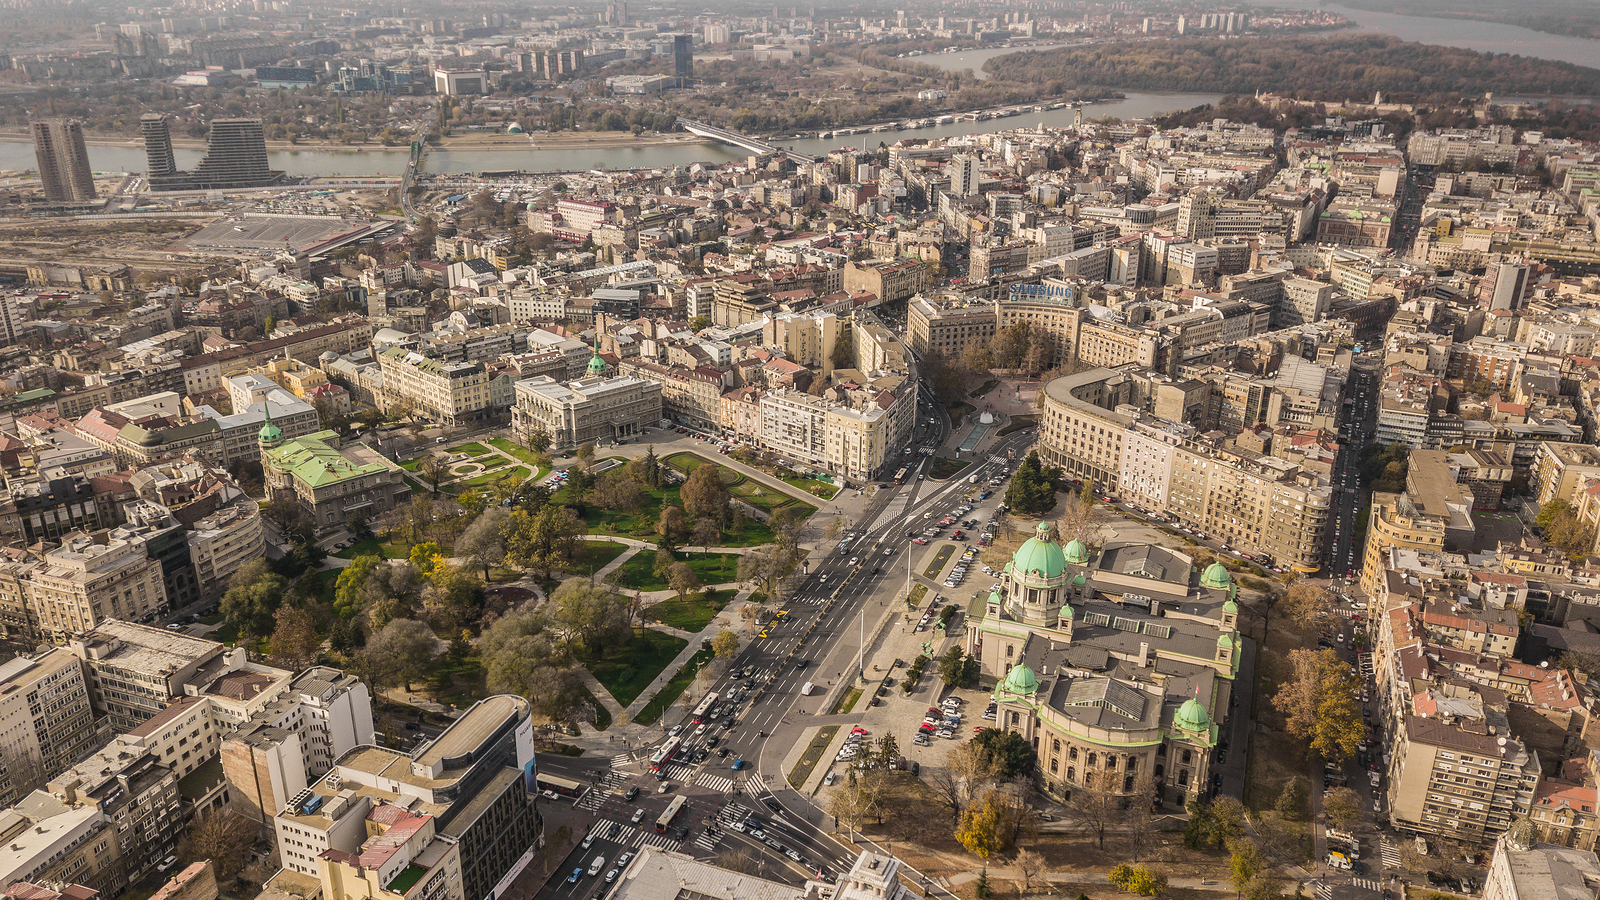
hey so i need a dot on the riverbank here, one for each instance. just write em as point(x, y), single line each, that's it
point(481, 140)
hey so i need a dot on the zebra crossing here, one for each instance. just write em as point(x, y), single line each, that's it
point(707, 842)
point(679, 772)
point(1371, 884)
point(595, 798)
point(658, 841)
point(1390, 854)
point(719, 783)
point(622, 759)
point(754, 786)
point(1323, 890)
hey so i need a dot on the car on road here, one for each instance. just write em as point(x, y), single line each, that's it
point(772, 804)
point(757, 833)
point(738, 764)
point(575, 876)
point(588, 839)
point(827, 780)
point(638, 815)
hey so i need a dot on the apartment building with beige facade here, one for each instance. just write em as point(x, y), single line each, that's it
point(46, 720)
point(450, 393)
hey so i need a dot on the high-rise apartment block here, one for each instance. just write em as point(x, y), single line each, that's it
point(236, 157)
point(63, 160)
point(46, 721)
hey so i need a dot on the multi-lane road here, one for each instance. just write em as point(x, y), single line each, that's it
point(831, 608)
point(1349, 495)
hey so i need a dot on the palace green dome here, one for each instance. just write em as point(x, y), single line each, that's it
point(1039, 556)
point(1216, 576)
point(1020, 680)
point(597, 366)
point(1077, 553)
point(1192, 716)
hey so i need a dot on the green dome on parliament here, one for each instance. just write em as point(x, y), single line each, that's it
point(1039, 556)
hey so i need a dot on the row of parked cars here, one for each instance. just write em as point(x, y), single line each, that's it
point(721, 445)
point(959, 573)
point(941, 721)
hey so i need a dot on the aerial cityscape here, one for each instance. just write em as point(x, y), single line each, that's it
point(1088, 449)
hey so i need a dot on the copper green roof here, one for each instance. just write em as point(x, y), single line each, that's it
point(1039, 556)
point(1077, 553)
point(1192, 716)
point(1216, 576)
point(1020, 681)
point(317, 462)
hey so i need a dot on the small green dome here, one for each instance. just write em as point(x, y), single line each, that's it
point(270, 435)
point(1225, 640)
point(994, 597)
point(597, 366)
point(1077, 553)
point(1079, 580)
point(1020, 681)
point(1216, 576)
point(1192, 716)
point(1039, 556)
point(1230, 607)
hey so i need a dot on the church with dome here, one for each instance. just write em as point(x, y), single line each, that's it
point(1116, 664)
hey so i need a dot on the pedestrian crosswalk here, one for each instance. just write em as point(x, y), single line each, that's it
point(658, 841)
point(594, 799)
point(1323, 890)
point(621, 759)
point(706, 841)
point(716, 782)
point(1371, 884)
point(679, 772)
point(754, 786)
point(1390, 854)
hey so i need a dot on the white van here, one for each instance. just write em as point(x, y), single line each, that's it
point(598, 864)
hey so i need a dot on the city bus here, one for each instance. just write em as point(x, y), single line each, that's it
point(564, 786)
point(704, 707)
point(671, 813)
point(665, 754)
point(900, 476)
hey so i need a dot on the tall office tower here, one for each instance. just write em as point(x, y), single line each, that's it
point(157, 146)
point(236, 156)
point(63, 160)
point(964, 176)
point(1197, 215)
point(683, 55)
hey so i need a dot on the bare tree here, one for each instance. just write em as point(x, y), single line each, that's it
point(968, 769)
point(222, 836)
point(1030, 866)
point(1096, 804)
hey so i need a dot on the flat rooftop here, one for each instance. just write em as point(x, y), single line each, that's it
point(471, 730)
point(271, 233)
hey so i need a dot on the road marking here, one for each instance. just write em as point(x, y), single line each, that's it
point(754, 785)
point(719, 783)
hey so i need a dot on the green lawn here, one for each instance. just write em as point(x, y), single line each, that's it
point(642, 524)
point(592, 556)
point(944, 468)
point(471, 449)
point(1018, 423)
point(324, 584)
point(816, 487)
point(374, 546)
point(627, 670)
point(602, 716)
point(506, 445)
point(652, 712)
point(692, 614)
point(717, 568)
point(411, 464)
point(813, 755)
point(459, 683)
point(491, 477)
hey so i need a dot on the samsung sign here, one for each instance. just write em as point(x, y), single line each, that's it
point(1041, 291)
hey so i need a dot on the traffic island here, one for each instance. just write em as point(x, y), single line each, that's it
point(811, 755)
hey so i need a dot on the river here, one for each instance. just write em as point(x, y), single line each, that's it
point(17, 155)
point(973, 59)
point(1485, 37)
